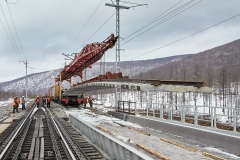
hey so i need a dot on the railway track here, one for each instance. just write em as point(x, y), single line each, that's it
point(40, 135)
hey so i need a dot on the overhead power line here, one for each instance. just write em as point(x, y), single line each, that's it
point(12, 2)
point(84, 26)
point(100, 27)
point(187, 36)
point(16, 31)
point(163, 15)
point(13, 42)
point(9, 38)
point(161, 22)
point(152, 21)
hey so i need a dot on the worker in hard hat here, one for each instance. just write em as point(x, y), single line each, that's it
point(37, 101)
point(15, 104)
point(44, 100)
point(85, 101)
point(90, 101)
point(48, 101)
point(23, 103)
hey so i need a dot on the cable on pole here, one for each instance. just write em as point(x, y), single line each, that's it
point(161, 22)
point(9, 38)
point(26, 63)
point(14, 42)
point(16, 31)
point(12, 2)
point(84, 26)
point(187, 36)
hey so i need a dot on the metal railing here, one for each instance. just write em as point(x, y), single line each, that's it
point(209, 116)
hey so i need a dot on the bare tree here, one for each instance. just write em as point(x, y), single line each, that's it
point(222, 85)
point(183, 71)
point(196, 72)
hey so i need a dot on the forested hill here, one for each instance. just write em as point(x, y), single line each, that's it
point(39, 83)
point(219, 66)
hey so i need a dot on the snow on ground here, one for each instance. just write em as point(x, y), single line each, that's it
point(124, 133)
point(87, 115)
point(3, 110)
point(6, 108)
point(222, 152)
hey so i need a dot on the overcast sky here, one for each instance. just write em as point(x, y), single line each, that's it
point(46, 29)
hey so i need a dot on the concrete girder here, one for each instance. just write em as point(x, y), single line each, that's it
point(136, 87)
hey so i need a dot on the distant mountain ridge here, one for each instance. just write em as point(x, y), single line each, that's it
point(39, 83)
point(209, 66)
point(217, 67)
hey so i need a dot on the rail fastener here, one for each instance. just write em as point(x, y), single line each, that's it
point(153, 152)
point(179, 145)
point(212, 156)
point(114, 134)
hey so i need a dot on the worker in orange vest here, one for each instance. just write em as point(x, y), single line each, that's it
point(85, 101)
point(44, 100)
point(18, 102)
point(48, 101)
point(90, 101)
point(37, 101)
point(15, 104)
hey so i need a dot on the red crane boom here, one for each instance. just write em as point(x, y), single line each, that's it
point(90, 54)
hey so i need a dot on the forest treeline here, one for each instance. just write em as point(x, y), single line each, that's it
point(5, 95)
point(218, 68)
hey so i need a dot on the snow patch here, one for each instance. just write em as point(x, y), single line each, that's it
point(221, 152)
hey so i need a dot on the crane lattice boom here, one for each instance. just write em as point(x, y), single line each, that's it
point(90, 54)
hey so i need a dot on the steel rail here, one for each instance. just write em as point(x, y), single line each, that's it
point(62, 137)
point(16, 133)
point(72, 142)
point(113, 147)
point(3, 119)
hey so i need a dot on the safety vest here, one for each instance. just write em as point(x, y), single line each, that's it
point(90, 99)
point(49, 99)
point(85, 100)
point(17, 101)
point(14, 103)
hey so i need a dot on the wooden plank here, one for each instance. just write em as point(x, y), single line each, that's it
point(153, 152)
point(42, 149)
point(179, 145)
point(30, 155)
point(36, 130)
point(41, 123)
point(112, 133)
point(36, 153)
point(140, 131)
point(212, 156)
point(41, 131)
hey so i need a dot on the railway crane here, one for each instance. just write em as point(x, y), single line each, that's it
point(90, 54)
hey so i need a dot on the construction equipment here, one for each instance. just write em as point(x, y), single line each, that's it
point(90, 54)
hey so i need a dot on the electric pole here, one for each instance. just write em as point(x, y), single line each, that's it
point(26, 63)
point(118, 7)
point(70, 57)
